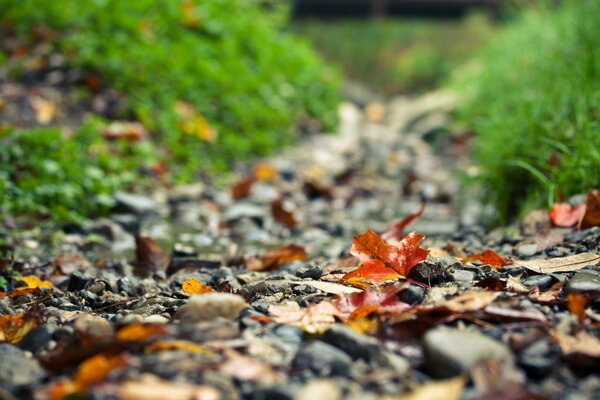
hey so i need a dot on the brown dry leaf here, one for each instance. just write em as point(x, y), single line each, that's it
point(243, 188)
point(13, 328)
point(549, 296)
point(193, 286)
point(67, 263)
point(33, 282)
point(149, 257)
point(140, 332)
point(514, 284)
point(264, 172)
point(580, 343)
point(577, 303)
point(314, 190)
point(560, 264)
point(313, 319)
point(175, 345)
point(126, 131)
point(515, 313)
point(471, 300)
point(547, 239)
point(592, 212)
point(249, 369)
point(150, 387)
point(278, 257)
point(450, 389)
point(22, 292)
point(281, 215)
point(44, 109)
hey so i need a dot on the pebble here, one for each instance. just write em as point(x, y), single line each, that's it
point(38, 338)
point(450, 352)
point(136, 204)
point(526, 249)
point(430, 273)
point(586, 282)
point(77, 281)
point(16, 369)
point(462, 276)
point(540, 358)
point(354, 344)
point(414, 294)
point(320, 389)
point(206, 307)
point(541, 281)
point(309, 271)
point(323, 359)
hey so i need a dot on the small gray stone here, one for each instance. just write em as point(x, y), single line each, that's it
point(586, 282)
point(323, 359)
point(139, 205)
point(526, 249)
point(38, 338)
point(541, 281)
point(309, 271)
point(414, 294)
point(353, 343)
point(16, 369)
point(206, 307)
point(463, 276)
point(450, 352)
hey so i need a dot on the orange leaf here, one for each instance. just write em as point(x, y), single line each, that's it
point(395, 231)
point(242, 189)
point(264, 172)
point(385, 298)
point(13, 328)
point(278, 257)
point(592, 212)
point(140, 332)
point(33, 282)
point(192, 286)
point(488, 257)
point(281, 215)
point(373, 270)
point(175, 345)
point(365, 319)
point(381, 259)
point(577, 304)
point(565, 215)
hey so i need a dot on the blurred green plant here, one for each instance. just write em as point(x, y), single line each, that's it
point(193, 68)
point(533, 98)
point(398, 55)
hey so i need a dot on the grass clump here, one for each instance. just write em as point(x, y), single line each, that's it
point(534, 101)
point(398, 55)
point(192, 68)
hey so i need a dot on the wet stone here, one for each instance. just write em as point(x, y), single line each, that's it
point(541, 281)
point(323, 359)
point(586, 282)
point(450, 352)
point(353, 343)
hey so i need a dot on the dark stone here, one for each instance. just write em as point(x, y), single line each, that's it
point(129, 222)
point(181, 250)
point(288, 334)
point(431, 273)
point(323, 359)
point(309, 271)
point(264, 288)
point(77, 281)
point(190, 263)
point(38, 338)
point(353, 343)
point(16, 369)
point(414, 294)
point(541, 281)
point(127, 285)
point(586, 282)
point(135, 204)
point(540, 358)
point(271, 393)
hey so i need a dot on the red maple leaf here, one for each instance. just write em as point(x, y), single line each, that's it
point(395, 231)
point(381, 260)
point(565, 215)
point(488, 257)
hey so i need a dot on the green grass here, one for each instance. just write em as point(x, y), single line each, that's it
point(533, 98)
point(232, 61)
point(398, 55)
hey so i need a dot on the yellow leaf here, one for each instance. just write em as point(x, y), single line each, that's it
point(33, 282)
point(175, 345)
point(265, 172)
point(192, 286)
point(140, 332)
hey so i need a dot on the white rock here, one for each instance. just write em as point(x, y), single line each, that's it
point(205, 307)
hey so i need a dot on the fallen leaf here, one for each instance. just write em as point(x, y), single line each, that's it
point(175, 345)
point(547, 239)
point(577, 303)
point(278, 257)
point(491, 283)
point(369, 272)
point(592, 212)
point(315, 318)
point(150, 387)
point(550, 296)
point(281, 215)
point(513, 312)
point(560, 264)
point(488, 257)
point(314, 190)
point(381, 260)
point(331, 287)
point(385, 298)
point(580, 343)
point(470, 300)
point(22, 292)
point(243, 188)
point(124, 130)
point(193, 286)
point(450, 389)
point(395, 231)
point(140, 332)
point(514, 284)
point(44, 109)
point(67, 263)
point(249, 369)
point(565, 215)
point(194, 123)
point(33, 282)
point(264, 172)
point(149, 257)
point(13, 328)
point(366, 319)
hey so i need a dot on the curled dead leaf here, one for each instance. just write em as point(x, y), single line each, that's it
point(193, 286)
point(488, 257)
point(278, 257)
point(560, 264)
point(281, 215)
